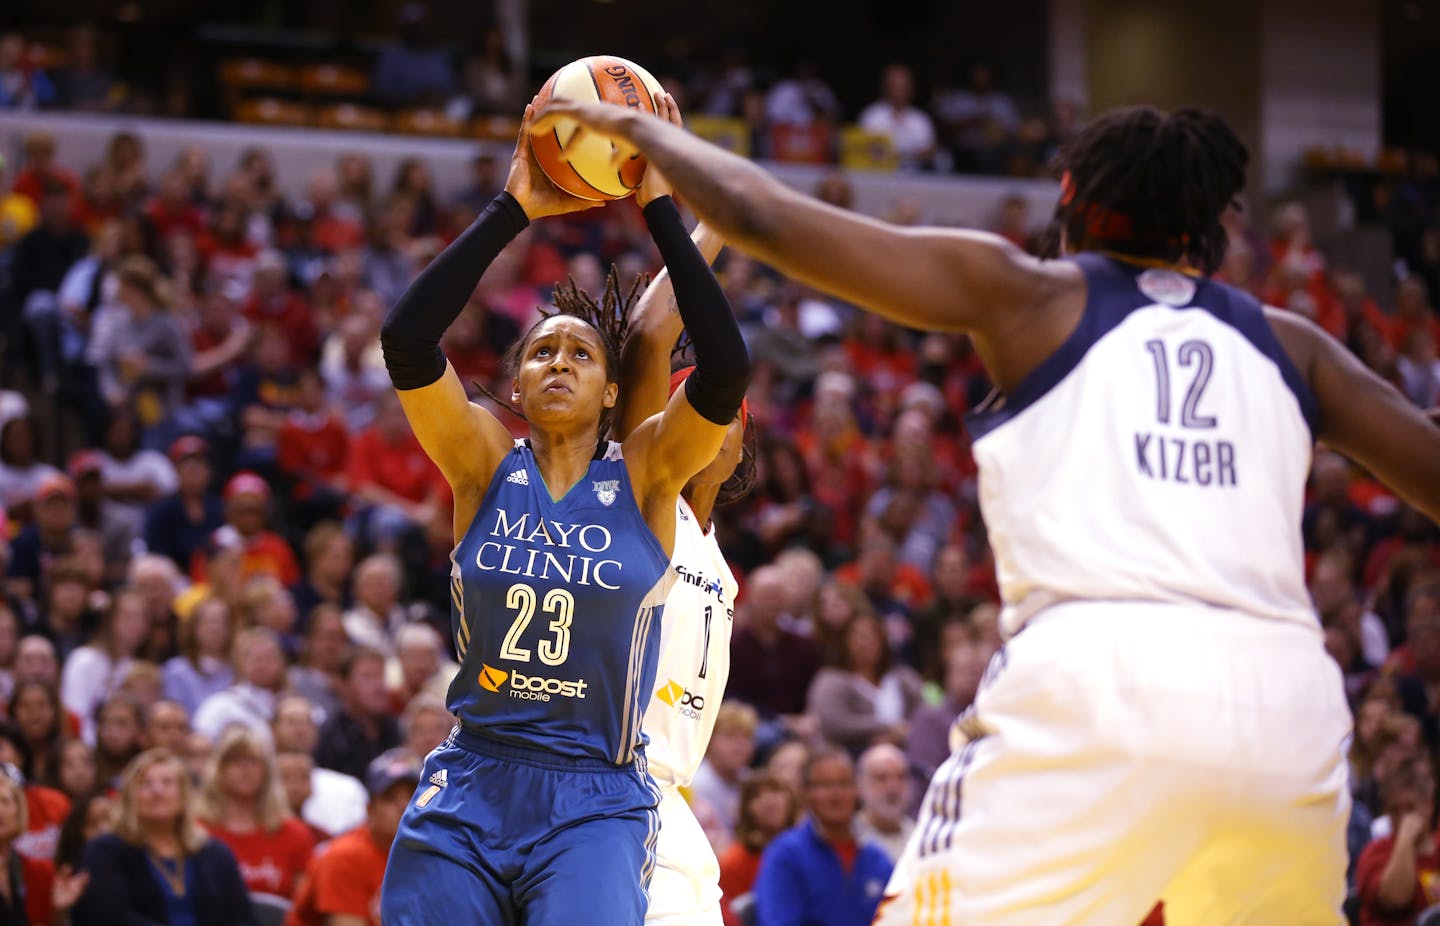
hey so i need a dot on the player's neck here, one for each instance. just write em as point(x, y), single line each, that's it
point(562, 458)
point(1154, 263)
point(701, 499)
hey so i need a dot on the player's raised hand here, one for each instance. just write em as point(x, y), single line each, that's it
point(529, 185)
point(655, 185)
point(603, 119)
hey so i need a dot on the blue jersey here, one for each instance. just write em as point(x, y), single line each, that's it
point(555, 608)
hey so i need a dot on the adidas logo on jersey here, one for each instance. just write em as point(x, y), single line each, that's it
point(439, 778)
point(686, 702)
point(519, 477)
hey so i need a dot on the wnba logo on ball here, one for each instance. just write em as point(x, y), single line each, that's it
point(625, 83)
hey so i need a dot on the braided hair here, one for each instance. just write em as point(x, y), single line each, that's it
point(1143, 183)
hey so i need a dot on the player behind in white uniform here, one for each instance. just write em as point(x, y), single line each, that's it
point(1164, 720)
point(695, 631)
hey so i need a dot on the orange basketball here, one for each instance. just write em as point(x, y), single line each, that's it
point(586, 170)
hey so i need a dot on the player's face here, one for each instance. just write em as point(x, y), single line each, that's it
point(562, 372)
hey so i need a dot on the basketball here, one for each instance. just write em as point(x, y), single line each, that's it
point(585, 170)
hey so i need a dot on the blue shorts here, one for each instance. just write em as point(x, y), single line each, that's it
point(500, 835)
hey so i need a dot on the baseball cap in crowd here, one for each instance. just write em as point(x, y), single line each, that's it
point(246, 484)
point(85, 463)
point(682, 374)
point(191, 445)
point(53, 486)
point(390, 768)
point(223, 539)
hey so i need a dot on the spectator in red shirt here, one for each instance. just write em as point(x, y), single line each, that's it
point(342, 883)
point(391, 474)
point(1398, 876)
point(32, 887)
point(217, 347)
point(171, 209)
point(1412, 313)
point(767, 809)
point(273, 304)
point(264, 552)
point(243, 805)
point(41, 169)
point(311, 450)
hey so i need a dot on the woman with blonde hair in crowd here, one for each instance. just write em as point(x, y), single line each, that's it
point(265, 602)
point(30, 890)
point(159, 865)
point(94, 671)
point(243, 804)
point(203, 666)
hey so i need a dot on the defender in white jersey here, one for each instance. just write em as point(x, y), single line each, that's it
point(695, 633)
point(1164, 721)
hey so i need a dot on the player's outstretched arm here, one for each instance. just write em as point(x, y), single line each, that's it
point(654, 324)
point(679, 443)
point(1364, 417)
point(463, 439)
point(937, 279)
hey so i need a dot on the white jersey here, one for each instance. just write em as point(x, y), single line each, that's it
point(694, 653)
point(1159, 455)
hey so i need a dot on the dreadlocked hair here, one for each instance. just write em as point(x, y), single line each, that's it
point(747, 471)
point(608, 317)
point(1143, 183)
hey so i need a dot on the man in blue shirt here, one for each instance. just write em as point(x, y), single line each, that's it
point(817, 874)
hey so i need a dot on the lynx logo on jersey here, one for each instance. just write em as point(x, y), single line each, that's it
point(683, 700)
point(606, 490)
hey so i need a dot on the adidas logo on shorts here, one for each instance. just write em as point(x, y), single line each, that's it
point(519, 477)
point(439, 778)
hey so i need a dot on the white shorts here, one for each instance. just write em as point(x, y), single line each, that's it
point(685, 889)
point(1118, 754)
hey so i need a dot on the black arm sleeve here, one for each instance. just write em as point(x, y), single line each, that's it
point(410, 337)
point(722, 362)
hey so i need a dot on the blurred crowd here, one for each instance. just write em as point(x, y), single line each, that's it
point(226, 611)
point(961, 120)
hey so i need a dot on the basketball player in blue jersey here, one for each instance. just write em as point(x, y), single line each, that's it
point(538, 810)
point(695, 642)
point(1164, 720)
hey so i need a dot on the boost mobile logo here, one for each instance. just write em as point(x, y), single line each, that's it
point(531, 687)
point(687, 703)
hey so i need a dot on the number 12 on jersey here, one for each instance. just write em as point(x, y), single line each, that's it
point(1184, 460)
